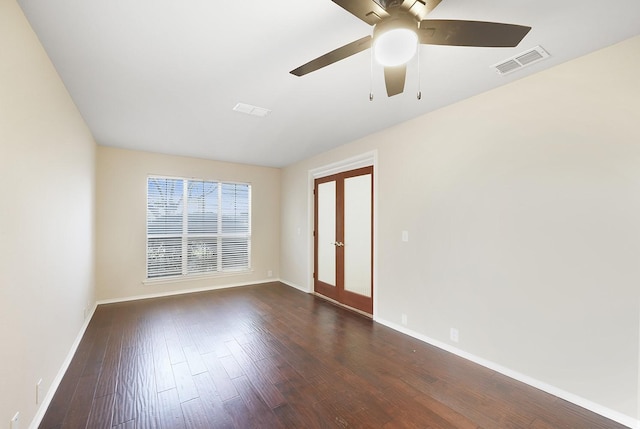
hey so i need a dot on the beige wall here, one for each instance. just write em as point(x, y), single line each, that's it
point(522, 207)
point(523, 211)
point(121, 219)
point(47, 163)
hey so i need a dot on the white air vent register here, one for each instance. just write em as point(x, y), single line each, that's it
point(521, 60)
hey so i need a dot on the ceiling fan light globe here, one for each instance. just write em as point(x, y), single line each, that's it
point(395, 47)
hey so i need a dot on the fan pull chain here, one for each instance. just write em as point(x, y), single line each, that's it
point(371, 77)
point(419, 95)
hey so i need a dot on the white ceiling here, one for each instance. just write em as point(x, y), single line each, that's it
point(164, 75)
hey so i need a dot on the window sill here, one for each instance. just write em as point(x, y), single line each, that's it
point(180, 279)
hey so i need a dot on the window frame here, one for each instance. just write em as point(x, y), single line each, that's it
point(184, 236)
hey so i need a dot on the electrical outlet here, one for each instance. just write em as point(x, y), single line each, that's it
point(405, 236)
point(454, 335)
point(404, 319)
point(15, 422)
point(269, 273)
point(38, 394)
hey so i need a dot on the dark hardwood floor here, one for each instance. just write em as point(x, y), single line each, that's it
point(269, 356)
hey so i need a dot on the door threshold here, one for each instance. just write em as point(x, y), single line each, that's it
point(339, 304)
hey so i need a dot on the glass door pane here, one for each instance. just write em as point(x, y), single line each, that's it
point(357, 234)
point(326, 232)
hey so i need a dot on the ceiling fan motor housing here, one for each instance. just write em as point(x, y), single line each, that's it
point(398, 19)
point(395, 40)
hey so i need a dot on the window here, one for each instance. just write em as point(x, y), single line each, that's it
point(197, 227)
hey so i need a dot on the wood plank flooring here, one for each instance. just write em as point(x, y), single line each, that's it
point(269, 356)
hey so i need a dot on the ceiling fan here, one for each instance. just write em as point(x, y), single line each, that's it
point(400, 25)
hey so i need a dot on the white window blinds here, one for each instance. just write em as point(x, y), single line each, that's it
point(197, 227)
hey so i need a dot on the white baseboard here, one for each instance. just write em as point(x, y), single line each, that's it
point(183, 291)
point(295, 286)
point(567, 396)
point(46, 401)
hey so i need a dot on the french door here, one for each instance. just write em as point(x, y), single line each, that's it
point(343, 238)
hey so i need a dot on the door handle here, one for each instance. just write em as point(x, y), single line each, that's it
point(339, 244)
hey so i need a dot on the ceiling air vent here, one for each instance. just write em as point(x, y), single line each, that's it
point(521, 60)
point(251, 110)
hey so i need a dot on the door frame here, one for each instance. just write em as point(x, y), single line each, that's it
point(363, 160)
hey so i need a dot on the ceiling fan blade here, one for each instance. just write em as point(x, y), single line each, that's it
point(471, 33)
point(367, 10)
point(420, 8)
point(336, 55)
point(394, 78)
